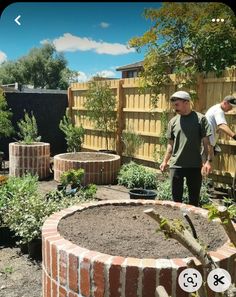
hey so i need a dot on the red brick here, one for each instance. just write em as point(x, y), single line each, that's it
point(131, 277)
point(62, 292)
point(99, 275)
point(71, 294)
point(62, 267)
point(54, 262)
point(149, 278)
point(73, 273)
point(85, 277)
point(54, 289)
point(114, 277)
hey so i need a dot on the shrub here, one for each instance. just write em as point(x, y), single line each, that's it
point(28, 129)
point(132, 142)
point(133, 175)
point(24, 210)
point(72, 177)
point(74, 135)
point(164, 192)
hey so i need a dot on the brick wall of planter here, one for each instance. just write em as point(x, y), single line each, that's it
point(97, 172)
point(72, 271)
point(29, 158)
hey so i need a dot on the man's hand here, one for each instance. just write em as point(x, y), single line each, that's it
point(206, 169)
point(163, 166)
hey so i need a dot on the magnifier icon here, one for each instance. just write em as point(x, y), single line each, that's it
point(190, 280)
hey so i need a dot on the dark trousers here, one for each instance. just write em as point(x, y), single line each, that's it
point(193, 181)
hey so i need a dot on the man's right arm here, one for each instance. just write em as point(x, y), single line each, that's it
point(226, 129)
point(167, 156)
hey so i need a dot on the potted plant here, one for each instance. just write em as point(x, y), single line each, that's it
point(29, 155)
point(141, 181)
point(100, 104)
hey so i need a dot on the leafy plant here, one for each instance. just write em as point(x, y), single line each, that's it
point(100, 103)
point(6, 128)
point(164, 191)
point(132, 142)
point(72, 177)
point(133, 175)
point(24, 210)
point(28, 129)
point(74, 135)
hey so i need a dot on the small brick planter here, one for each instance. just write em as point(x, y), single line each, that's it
point(73, 271)
point(99, 168)
point(29, 158)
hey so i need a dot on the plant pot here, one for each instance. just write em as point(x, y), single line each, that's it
point(61, 187)
point(35, 249)
point(7, 237)
point(142, 194)
point(108, 152)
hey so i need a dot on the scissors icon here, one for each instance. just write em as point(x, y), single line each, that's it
point(218, 280)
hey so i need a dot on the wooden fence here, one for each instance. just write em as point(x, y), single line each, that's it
point(134, 111)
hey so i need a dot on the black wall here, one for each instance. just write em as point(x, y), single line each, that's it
point(48, 109)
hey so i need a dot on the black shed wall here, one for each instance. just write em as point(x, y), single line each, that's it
point(48, 109)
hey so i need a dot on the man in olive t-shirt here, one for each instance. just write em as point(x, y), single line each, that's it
point(186, 132)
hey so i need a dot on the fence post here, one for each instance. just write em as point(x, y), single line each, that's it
point(120, 117)
point(70, 102)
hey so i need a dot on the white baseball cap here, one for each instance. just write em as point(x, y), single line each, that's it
point(181, 95)
point(231, 99)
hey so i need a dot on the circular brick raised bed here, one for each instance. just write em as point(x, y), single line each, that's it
point(74, 271)
point(29, 158)
point(99, 168)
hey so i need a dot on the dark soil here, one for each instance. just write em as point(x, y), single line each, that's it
point(126, 231)
point(87, 156)
point(19, 276)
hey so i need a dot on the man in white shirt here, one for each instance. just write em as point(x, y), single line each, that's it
point(216, 118)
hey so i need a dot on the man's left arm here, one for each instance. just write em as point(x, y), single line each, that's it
point(209, 154)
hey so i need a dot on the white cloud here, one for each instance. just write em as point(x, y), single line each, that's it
point(83, 77)
point(104, 25)
point(3, 57)
point(71, 43)
point(106, 73)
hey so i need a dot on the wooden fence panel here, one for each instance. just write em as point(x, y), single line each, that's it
point(135, 111)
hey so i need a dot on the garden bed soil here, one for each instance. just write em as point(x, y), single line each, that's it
point(87, 156)
point(126, 231)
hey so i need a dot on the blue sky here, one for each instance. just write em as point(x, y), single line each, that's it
point(93, 36)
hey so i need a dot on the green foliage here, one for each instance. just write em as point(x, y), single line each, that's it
point(213, 212)
point(72, 177)
point(6, 128)
point(132, 142)
point(190, 43)
point(164, 191)
point(74, 135)
point(24, 210)
point(43, 68)
point(100, 104)
point(28, 129)
point(133, 175)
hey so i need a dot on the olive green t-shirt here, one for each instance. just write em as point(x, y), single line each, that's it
point(187, 133)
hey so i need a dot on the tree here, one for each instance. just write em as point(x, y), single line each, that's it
point(184, 40)
point(42, 67)
point(100, 103)
point(6, 128)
